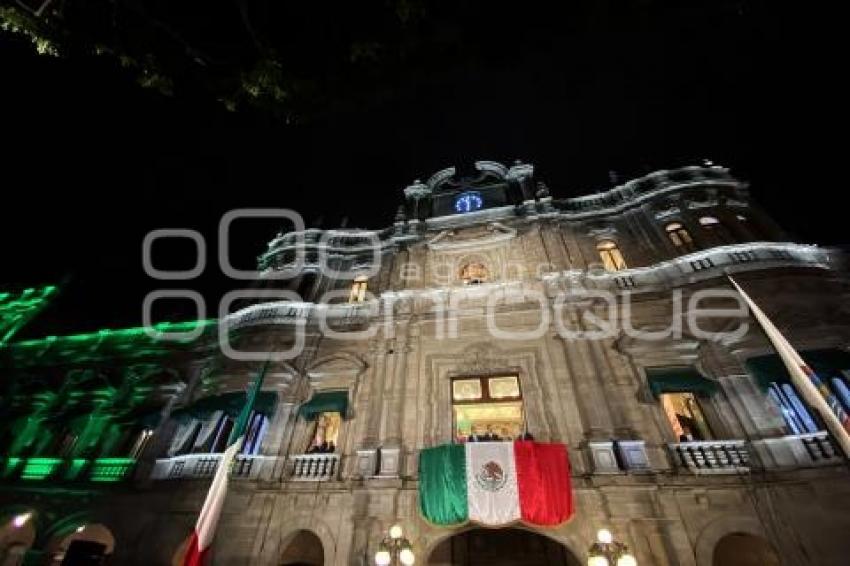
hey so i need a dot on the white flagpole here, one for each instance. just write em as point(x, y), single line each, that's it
point(797, 370)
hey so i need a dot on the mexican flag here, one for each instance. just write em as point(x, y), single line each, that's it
point(204, 533)
point(495, 483)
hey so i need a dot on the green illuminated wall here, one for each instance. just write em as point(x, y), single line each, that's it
point(18, 309)
point(71, 402)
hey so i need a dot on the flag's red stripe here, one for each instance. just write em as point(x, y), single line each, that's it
point(543, 480)
point(194, 555)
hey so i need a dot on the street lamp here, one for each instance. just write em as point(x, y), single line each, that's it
point(395, 549)
point(21, 520)
point(608, 552)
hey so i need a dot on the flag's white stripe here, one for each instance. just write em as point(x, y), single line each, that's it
point(794, 363)
point(208, 519)
point(491, 503)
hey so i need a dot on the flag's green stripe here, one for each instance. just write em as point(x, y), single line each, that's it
point(250, 400)
point(442, 484)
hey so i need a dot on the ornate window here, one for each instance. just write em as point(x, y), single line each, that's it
point(474, 274)
point(487, 408)
point(358, 289)
point(685, 416)
point(680, 236)
point(326, 434)
point(611, 256)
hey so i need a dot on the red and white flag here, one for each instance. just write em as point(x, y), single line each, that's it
point(807, 382)
point(204, 534)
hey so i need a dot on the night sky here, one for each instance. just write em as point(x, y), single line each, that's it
point(92, 162)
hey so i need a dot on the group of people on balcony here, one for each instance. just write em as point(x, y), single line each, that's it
point(323, 448)
point(489, 435)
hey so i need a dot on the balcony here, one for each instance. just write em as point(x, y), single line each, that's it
point(798, 451)
point(700, 266)
point(313, 467)
point(272, 313)
point(197, 466)
point(711, 456)
point(101, 470)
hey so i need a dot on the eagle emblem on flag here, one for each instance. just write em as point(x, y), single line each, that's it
point(491, 476)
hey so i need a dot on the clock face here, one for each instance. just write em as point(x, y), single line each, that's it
point(467, 202)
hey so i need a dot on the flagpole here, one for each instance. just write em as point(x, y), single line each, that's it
point(803, 377)
point(205, 527)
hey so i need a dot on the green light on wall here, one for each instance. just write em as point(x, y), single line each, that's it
point(40, 468)
point(111, 469)
point(11, 465)
point(75, 467)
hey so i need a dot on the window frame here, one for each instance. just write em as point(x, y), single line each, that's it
point(486, 397)
point(613, 253)
point(481, 267)
point(359, 287)
point(680, 236)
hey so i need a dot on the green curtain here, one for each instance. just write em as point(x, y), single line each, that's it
point(442, 484)
point(678, 380)
point(325, 402)
point(769, 368)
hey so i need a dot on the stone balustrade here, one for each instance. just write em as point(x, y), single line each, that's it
point(699, 266)
point(711, 456)
point(194, 466)
point(313, 467)
point(798, 451)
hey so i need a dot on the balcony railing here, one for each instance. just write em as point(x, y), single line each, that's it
point(705, 264)
point(194, 466)
point(798, 451)
point(313, 467)
point(712, 456)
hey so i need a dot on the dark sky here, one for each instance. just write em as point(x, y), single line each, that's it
point(92, 162)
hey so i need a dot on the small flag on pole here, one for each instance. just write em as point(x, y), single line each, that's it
point(814, 391)
point(204, 533)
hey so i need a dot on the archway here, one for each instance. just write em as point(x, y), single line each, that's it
point(501, 547)
point(304, 549)
point(743, 549)
point(86, 544)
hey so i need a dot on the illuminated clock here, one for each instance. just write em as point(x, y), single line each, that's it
point(467, 202)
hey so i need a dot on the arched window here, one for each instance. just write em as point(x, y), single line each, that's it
point(474, 274)
point(680, 236)
point(358, 289)
point(611, 256)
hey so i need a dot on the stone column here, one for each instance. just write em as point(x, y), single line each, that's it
point(377, 378)
point(394, 394)
point(590, 395)
point(278, 439)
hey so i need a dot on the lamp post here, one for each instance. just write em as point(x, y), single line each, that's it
point(395, 549)
point(608, 552)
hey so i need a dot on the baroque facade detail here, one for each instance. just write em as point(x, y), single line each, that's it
point(479, 315)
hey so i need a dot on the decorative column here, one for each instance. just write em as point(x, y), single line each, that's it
point(393, 408)
point(593, 404)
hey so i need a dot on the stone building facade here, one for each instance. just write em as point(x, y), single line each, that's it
point(571, 320)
